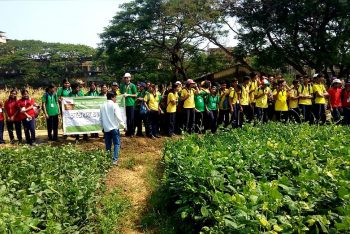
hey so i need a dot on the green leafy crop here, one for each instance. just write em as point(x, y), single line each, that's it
point(270, 179)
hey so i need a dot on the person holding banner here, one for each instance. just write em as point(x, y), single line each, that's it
point(130, 92)
point(111, 120)
point(76, 93)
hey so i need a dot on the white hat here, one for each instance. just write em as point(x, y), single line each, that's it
point(127, 75)
point(336, 81)
point(315, 75)
point(178, 82)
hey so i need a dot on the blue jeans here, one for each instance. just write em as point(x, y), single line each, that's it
point(29, 130)
point(110, 137)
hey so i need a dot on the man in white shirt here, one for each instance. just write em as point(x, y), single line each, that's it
point(111, 120)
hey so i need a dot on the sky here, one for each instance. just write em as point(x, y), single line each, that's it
point(64, 21)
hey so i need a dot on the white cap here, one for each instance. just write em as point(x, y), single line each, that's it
point(336, 81)
point(315, 75)
point(178, 82)
point(127, 75)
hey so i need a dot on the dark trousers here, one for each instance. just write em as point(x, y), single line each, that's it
point(213, 117)
point(52, 127)
point(154, 122)
point(346, 112)
point(248, 114)
point(294, 115)
point(271, 110)
point(2, 126)
point(130, 118)
point(189, 119)
point(262, 114)
point(18, 128)
point(282, 116)
point(320, 113)
point(237, 116)
point(29, 130)
point(199, 127)
point(179, 122)
point(224, 117)
point(306, 111)
point(139, 119)
point(336, 114)
point(171, 117)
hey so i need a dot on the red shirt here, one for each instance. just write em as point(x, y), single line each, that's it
point(335, 96)
point(1, 113)
point(346, 98)
point(25, 103)
point(11, 108)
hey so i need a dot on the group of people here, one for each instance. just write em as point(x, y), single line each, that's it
point(189, 106)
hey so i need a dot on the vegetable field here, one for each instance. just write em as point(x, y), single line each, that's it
point(270, 179)
point(50, 189)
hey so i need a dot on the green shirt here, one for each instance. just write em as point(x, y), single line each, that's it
point(199, 101)
point(79, 94)
point(51, 105)
point(213, 102)
point(139, 95)
point(92, 93)
point(128, 89)
point(61, 92)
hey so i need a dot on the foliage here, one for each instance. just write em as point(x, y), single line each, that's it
point(50, 189)
point(273, 178)
point(38, 62)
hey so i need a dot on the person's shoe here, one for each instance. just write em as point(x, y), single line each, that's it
point(2, 142)
point(131, 136)
point(12, 142)
point(140, 135)
point(152, 137)
point(157, 136)
point(115, 163)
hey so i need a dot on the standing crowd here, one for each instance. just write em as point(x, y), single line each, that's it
point(153, 110)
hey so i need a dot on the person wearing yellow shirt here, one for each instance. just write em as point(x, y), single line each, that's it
point(172, 100)
point(245, 100)
point(152, 100)
point(321, 95)
point(281, 95)
point(261, 101)
point(187, 97)
point(253, 86)
point(224, 105)
point(235, 107)
point(306, 92)
point(293, 102)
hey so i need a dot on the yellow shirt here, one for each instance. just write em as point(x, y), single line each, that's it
point(223, 96)
point(253, 86)
point(281, 100)
point(245, 95)
point(171, 108)
point(234, 96)
point(152, 101)
point(189, 102)
point(321, 90)
point(262, 101)
point(293, 103)
point(305, 90)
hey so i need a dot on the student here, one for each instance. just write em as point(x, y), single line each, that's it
point(51, 111)
point(320, 99)
point(261, 104)
point(253, 86)
point(345, 97)
point(293, 102)
point(172, 100)
point(129, 90)
point(2, 123)
point(224, 106)
point(212, 108)
point(245, 100)
point(65, 90)
point(152, 100)
point(200, 107)
point(280, 96)
point(306, 92)
point(140, 111)
point(104, 90)
point(12, 117)
point(76, 93)
point(27, 116)
point(187, 97)
point(115, 88)
point(93, 90)
point(334, 99)
point(235, 108)
point(111, 120)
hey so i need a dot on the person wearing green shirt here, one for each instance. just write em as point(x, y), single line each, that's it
point(65, 90)
point(76, 93)
point(129, 91)
point(93, 90)
point(51, 111)
point(200, 108)
point(212, 108)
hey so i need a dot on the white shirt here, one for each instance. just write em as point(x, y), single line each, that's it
point(110, 116)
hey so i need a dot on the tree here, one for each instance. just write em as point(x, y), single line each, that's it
point(150, 31)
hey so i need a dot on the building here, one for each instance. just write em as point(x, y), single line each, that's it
point(2, 37)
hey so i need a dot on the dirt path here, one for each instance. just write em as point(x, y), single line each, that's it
point(138, 161)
